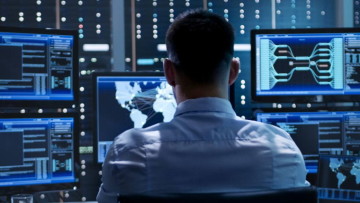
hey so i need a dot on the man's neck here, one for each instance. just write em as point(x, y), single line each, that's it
point(185, 93)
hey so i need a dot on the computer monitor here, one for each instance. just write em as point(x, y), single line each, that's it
point(317, 133)
point(38, 152)
point(125, 100)
point(38, 65)
point(305, 65)
point(338, 179)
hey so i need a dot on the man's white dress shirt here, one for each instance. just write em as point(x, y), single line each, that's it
point(205, 148)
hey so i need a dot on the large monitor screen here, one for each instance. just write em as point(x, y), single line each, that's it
point(37, 151)
point(338, 179)
point(38, 65)
point(315, 133)
point(305, 64)
point(127, 100)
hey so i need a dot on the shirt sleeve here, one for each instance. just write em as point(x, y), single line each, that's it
point(123, 173)
point(104, 196)
point(108, 191)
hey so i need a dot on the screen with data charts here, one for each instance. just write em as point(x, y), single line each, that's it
point(38, 65)
point(306, 64)
point(324, 133)
point(38, 152)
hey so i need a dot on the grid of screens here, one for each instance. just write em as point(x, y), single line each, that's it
point(37, 150)
point(319, 132)
point(37, 64)
point(305, 62)
point(129, 100)
point(339, 179)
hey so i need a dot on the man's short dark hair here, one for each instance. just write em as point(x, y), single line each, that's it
point(200, 44)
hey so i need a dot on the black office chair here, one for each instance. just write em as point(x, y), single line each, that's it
point(293, 195)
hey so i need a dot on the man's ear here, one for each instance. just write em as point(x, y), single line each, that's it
point(169, 71)
point(234, 70)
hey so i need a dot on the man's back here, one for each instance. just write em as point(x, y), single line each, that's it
point(205, 148)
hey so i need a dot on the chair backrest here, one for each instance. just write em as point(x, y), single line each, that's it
point(293, 195)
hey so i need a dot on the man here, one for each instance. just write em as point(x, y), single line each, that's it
point(206, 147)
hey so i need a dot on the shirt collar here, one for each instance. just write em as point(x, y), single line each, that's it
point(205, 104)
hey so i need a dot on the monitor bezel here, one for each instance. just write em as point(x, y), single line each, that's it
point(75, 83)
point(25, 189)
point(296, 98)
point(95, 75)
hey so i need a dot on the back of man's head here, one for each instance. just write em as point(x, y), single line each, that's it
point(201, 45)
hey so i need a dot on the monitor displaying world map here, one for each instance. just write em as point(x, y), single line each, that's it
point(129, 100)
point(339, 178)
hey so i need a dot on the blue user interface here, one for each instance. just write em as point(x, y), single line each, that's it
point(329, 133)
point(307, 64)
point(36, 151)
point(36, 66)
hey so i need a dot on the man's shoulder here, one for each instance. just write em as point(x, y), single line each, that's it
point(136, 137)
point(255, 128)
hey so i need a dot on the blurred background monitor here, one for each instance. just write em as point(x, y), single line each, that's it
point(38, 65)
point(317, 133)
point(339, 179)
point(125, 100)
point(295, 65)
point(38, 153)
